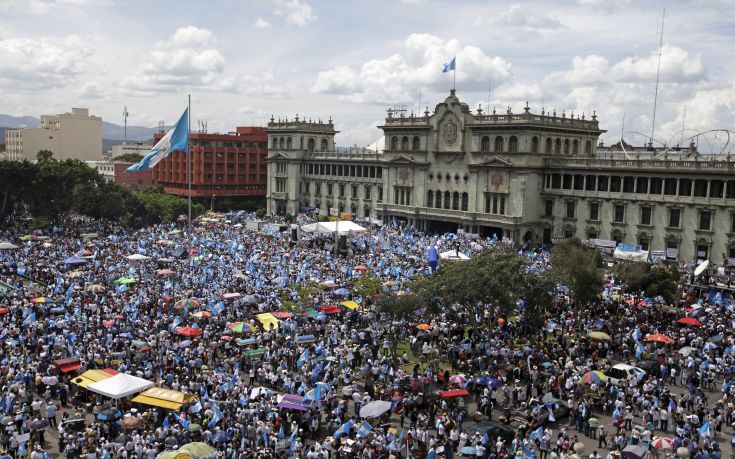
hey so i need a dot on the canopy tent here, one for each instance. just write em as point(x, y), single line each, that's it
point(269, 321)
point(93, 376)
point(453, 393)
point(121, 385)
point(637, 255)
point(164, 398)
point(453, 255)
point(350, 305)
point(375, 408)
point(67, 365)
point(342, 227)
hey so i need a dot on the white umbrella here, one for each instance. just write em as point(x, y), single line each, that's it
point(137, 256)
point(374, 409)
point(7, 246)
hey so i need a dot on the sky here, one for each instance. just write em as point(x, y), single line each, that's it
point(244, 61)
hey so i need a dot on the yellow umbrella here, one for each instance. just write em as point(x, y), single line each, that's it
point(599, 336)
point(423, 326)
point(202, 314)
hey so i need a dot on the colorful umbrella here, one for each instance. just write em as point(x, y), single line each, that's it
point(125, 280)
point(241, 327)
point(202, 314)
point(42, 299)
point(4, 310)
point(598, 335)
point(423, 326)
point(188, 331)
point(659, 338)
point(592, 377)
point(164, 272)
point(186, 303)
point(458, 379)
point(689, 321)
point(662, 443)
point(360, 268)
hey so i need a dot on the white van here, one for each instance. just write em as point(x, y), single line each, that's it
point(619, 374)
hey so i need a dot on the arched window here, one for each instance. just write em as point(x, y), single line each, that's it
point(311, 145)
point(404, 143)
point(485, 144)
point(447, 200)
point(549, 146)
point(324, 144)
point(568, 232)
point(288, 143)
point(557, 147)
point(438, 201)
point(416, 143)
point(575, 147)
point(566, 146)
point(430, 199)
point(617, 236)
point(534, 145)
point(281, 143)
point(513, 144)
point(465, 201)
point(498, 144)
point(592, 233)
point(274, 142)
point(588, 148)
point(644, 241)
point(394, 143)
point(455, 201)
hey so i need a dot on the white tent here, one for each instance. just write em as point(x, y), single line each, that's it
point(342, 227)
point(7, 246)
point(453, 255)
point(137, 256)
point(121, 385)
point(638, 255)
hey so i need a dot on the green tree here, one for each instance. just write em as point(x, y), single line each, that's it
point(367, 286)
point(400, 306)
point(260, 213)
point(162, 207)
point(44, 155)
point(574, 266)
point(55, 184)
point(128, 158)
point(640, 277)
point(16, 179)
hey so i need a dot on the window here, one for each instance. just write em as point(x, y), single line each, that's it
point(394, 143)
point(455, 201)
point(592, 233)
point(685, 187)
point(495, 203)
point(732, 222)
point(557, 147)
point(311, 145)
point(513, 144)
point(590, 183)
point(628, 184)
point(569, 232)
point(602, 181)
point(646, 212)
point(700, 188)
point(674, 218)
point(619, 213)
point(655, 188)
point(548, 208)
point(555, 181)
point(702, 250)
point(575, 147)
point(438, 201)
point(404, 143)
point(716, 189)
point(318, 189)
point(534, 145)
point(485, 144)
point(416, 143)
point(465, 201)
point(617, 236)
point(288, 143)
point(566, 146)
point(280, 184)
point(548, 146)
point(367, 192)
point(578, 182)
point(641, 185)
point(595, 211)
point(329, 189)
point(341, 190)
point(353, 191)
point(498, 144)
point(447, 199)
point(566, 182)
point(643, 241)
point(705, 220)
point(670, 187)
point(429, 198)
point(672, 243)
point(324, 144)
point(380, 192)
point(588, 148)
point(571, 208)
point(615, 184)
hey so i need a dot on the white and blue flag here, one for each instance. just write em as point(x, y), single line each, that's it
point(177, 139)
point(451, 65)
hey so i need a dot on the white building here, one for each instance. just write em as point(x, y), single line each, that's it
point(74, 135)
point(105, 168)
point(140, 148)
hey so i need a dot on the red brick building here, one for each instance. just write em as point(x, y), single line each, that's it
point(135, 181)
point(232, 164)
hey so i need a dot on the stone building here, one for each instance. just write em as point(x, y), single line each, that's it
point(529, 177)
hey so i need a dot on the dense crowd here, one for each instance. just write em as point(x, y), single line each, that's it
point(330, 374)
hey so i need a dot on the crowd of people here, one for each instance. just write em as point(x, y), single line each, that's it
point(330, 374)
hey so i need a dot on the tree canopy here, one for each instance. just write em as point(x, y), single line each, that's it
point(577, 268)
point(128, 158)
point(652, 280)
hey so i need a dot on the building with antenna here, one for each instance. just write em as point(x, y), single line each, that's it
point(538, 177)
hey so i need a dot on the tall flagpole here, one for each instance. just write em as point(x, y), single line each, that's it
point(188, 165)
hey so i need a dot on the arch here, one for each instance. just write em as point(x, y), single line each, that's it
point(455, 200)
point(513, 144)
point(644, 240)
point(274, 142)
point(549, 146)
point(465, 201)
point(394, 143)
point(557, 147)
point(429, 198)
point(593, 232)
point(617, 236)
point(485, 143)
point(416, 143)
point(288, 143)
point(528, 236)
point(311, 144)
point(534, 145)
point(566, 146)
point(498, 144)
point(447, 200)
point(575, 147)
point(404, 143)
point(438, 200)
point(325, 145)
point(588, 148)
point(281, 143)
point(569, 231)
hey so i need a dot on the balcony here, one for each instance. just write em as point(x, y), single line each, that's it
point(723, 166)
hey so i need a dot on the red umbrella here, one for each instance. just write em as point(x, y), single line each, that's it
point(108, 323)
point(360, 268)
point(189, 331)
point(690, 321)
point(659, 338)
point(4, 310)
point(164, 272)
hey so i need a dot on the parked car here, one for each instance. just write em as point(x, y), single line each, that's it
point(494, 430)
point(619, 374)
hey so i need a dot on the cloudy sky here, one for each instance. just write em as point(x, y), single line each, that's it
point(243, 60)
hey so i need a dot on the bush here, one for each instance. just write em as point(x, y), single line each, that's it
point(260, 213)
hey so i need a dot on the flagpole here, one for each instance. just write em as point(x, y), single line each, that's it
point(188, 166)
point(454, 79)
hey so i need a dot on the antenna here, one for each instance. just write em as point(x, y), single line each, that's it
point(125, 122)
point(658, 74)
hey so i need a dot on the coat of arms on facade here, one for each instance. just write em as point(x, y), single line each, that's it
point(449, 132)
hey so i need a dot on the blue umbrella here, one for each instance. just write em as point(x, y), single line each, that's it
point(495, 383)
point(480, 380)
point(342, 292)
point(468, 451)
point(547, 364)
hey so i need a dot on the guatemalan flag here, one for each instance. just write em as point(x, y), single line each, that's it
point(175, 139)
point(451, 65)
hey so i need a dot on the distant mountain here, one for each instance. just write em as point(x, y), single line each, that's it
point(109, 130)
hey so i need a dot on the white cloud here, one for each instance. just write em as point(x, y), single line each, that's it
point(91, 90)
point(395, 78)
point(185, 60)
point(296, 12)
point(261, 23)
point(607, 5)
point(46, 6)
point(42, 63)
point(262, 85)
point(521, 17)
point(359, 134)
